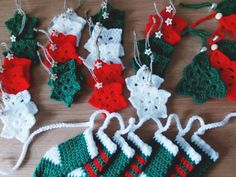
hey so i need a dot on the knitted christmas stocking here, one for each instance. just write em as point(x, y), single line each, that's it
point(142, 154)
point(162, 159)
point(187, 159)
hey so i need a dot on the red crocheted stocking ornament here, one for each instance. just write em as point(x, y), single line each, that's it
point(109, 97)
point(106, 73)
point(63, 48)
point(229, 23)
point(16, 75)
point(227, 70)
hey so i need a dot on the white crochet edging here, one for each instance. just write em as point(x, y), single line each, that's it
point(186, 147)
point(143, 147)
point(53, 155)
point(206, 148)
point(92, 148)
point(77, 173)
point(171, 147)
point(106, 141)
point(126, 149)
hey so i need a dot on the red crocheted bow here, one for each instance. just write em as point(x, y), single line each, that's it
point(16, 75)
point(171, 32)
point(63, 48)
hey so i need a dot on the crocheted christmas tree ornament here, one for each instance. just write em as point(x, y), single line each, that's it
point(67, 83)
point(15, 75)
point(62, 48)
point(228, 47)
point(21, 26)
point(187, 159)
point(17, 115)
point(209, 157)
point(226, 68)
point(161, 160)
point(68, 157)
point(121, 159)
point(142, 154)
point(108, 97)
point(109, 17)
point(201, 80)
point(106, 74)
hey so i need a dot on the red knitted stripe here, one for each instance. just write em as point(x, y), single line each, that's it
point(90, 171)
point(104, 156)
point(185, 162)
point(127, 174)
point(135, 168)
point(180, 171)
point(97, 164)
point(140, 159)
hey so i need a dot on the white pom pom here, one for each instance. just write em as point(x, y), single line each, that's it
point(214, 47)
point(218, 16)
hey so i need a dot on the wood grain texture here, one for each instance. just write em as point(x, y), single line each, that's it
point(223, 139)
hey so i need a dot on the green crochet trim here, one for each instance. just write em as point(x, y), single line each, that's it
point(160, 63)
point(66, 86)
point(201, 80)
point(115, 20)
point(14, 26)
point(227, 7)
point(228, 48)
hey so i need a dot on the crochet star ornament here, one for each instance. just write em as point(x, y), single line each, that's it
point(67, 84)
point(17, 115)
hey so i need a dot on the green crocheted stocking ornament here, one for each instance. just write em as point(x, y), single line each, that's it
point(109, 17)
point(209, 157)
point(162, 160)
point(67, 83)
point(228, 48)
point(201, 80)
point(64, 158)
point(159, 64)
point(14, 25)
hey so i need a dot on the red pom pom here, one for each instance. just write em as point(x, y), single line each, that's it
point(106, 73)
point(63, 48)
point(229, 23)
point(16, 75)
point(227, 71)
point(109, 97)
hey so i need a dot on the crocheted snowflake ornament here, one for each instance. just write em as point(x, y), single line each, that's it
point(201, 80)
point(21, 26)
point(17, 115)
point(15, 74)
point(109, 45)
point(66, 84)
point(62, 48)
point(106, 73)
point(68, 23)
point(109, 17)
point(108, 97)
point(146, 97)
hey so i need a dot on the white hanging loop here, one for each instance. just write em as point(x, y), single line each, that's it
point(136, 51)
point(89, 22)
point(20, 11)
point(222, 123)
point(65, 5)
point(44, 32)
point(47, 55)
point(174, 9)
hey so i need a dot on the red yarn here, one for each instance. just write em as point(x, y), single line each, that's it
point(227, 71)
point(65, 48)
point(229, 23)
point(108, 73)
point(201, 20)
point(109, 97)
point(220, 35)
point(16, 75)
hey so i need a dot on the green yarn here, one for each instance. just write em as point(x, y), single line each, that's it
point(160, 63)
point(66, 86)
point(201, 80)
point(228, 48)
point(227, 7)
point(14, 26)
point(196, 6)
point(115, 20)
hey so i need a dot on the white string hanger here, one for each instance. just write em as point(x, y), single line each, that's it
point(21, 12)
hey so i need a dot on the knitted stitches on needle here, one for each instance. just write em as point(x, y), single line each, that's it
point(201, 80)
point(146, 97)
point(17, 115)
point(67, 83)
point(15, 76)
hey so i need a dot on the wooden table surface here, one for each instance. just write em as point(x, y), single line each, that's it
point(221, 139)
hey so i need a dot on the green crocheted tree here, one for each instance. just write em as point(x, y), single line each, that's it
point(67, 85)
point(227, 7)
point(228, 48)
point(14, 26)
point(110, 17)
point(201, 80)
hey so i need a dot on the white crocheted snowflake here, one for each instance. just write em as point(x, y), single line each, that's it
point(17, 115)
point(109, 45)
point(68, 23)
point(146, 97)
